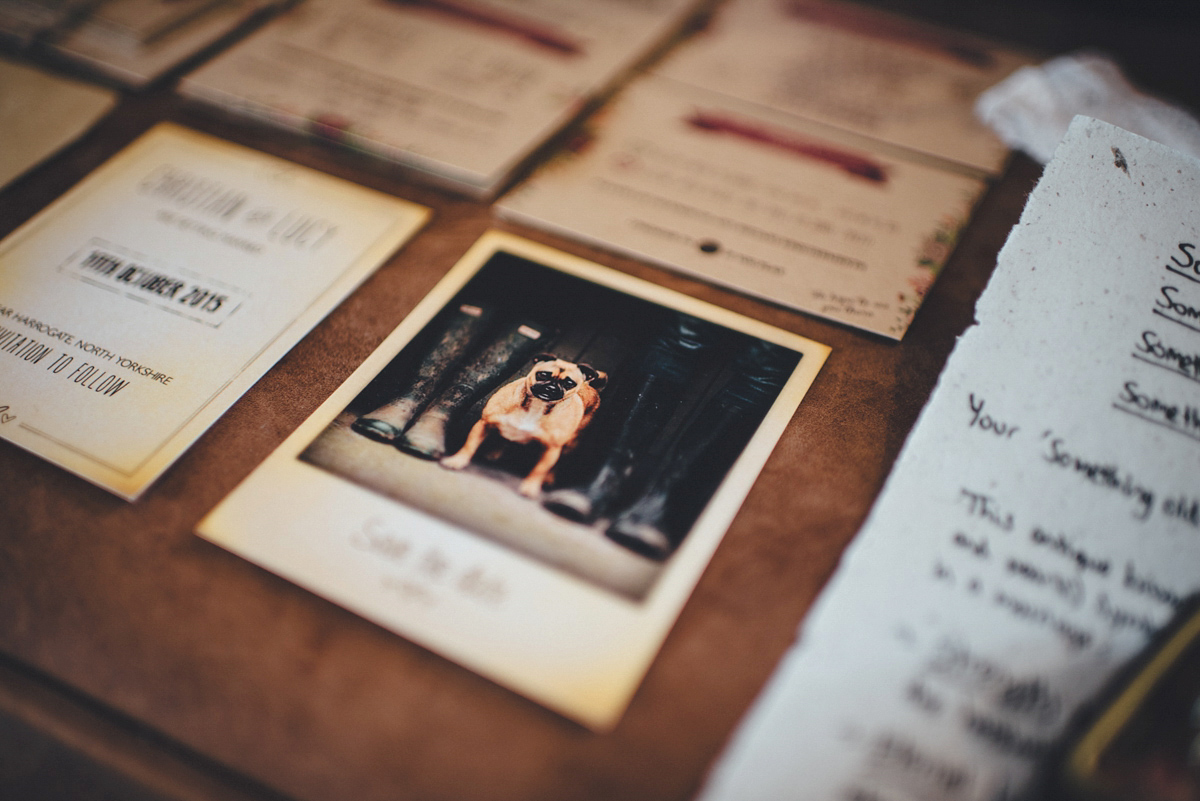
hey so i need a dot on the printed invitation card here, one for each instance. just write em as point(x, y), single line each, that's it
point(140, 305)
point(810, 153)
point(529, 475)
point(464, 90)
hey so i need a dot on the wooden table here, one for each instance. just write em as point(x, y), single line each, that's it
point(138, 661)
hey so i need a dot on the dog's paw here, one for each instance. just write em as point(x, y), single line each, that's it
point(530, 489)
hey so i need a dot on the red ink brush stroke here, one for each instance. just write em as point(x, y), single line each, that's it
point(493, 20)
point(852, 163)
point(897, 31)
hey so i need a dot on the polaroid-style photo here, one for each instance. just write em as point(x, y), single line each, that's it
point(604, 422)
point(543, 446)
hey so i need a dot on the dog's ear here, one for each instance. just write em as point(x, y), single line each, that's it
point(595, 377)
point(544, 357)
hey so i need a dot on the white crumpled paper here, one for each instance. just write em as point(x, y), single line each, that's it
point(1032, 108)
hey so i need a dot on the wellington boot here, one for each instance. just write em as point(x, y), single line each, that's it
point(388, 422)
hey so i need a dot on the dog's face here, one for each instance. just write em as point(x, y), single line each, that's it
point(553, 379)
point(569, 395)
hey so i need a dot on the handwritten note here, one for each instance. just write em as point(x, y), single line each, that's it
point(1042, 522)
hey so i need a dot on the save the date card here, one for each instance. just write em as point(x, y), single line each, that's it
point(139, 306)
point(531, 472)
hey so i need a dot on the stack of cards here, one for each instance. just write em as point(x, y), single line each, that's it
point(130, 42)
point(134, 42)
point(463, 90)
point(820, 155)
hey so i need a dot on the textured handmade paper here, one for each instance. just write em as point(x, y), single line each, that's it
point(1041, 523)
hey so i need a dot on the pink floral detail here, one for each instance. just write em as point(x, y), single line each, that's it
point(920, 282)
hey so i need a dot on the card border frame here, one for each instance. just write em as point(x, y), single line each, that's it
point(597, 700)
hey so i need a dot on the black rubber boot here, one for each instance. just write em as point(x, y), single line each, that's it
point(660, 517)
point(648, 401)
point(426, 437)
point(388, 422)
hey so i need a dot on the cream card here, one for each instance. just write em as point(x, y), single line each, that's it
point(135, 42)
point(529, 475)
point(757, 200)
point(462, 89)
point(1041, 523)
point(42, 113)
point(858, 69)
point(143, 21)
point(139, 306)
point(817, 154)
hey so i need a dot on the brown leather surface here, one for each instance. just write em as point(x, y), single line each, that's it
point(241, 669)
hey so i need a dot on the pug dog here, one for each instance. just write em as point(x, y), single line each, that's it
point(550, 405)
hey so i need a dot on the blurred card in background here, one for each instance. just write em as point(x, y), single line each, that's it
point(21, 21)
point(816, 154)
point(464, 90)
point(140, 305)
point(42, 113)
point(135, 42)
point(857, 69)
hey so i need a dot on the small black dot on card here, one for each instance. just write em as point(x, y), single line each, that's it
point(709, 246)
